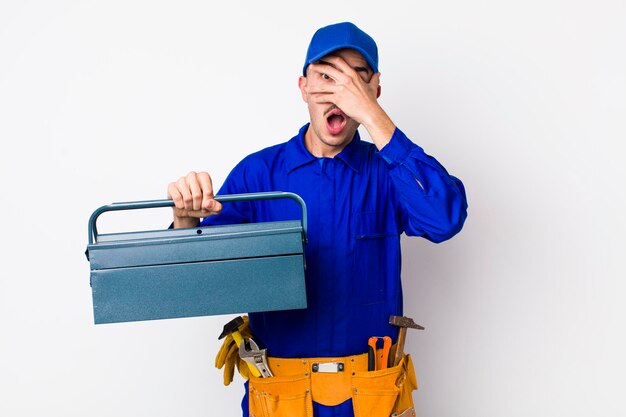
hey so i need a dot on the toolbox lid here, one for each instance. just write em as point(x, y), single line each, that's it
point(208, 243)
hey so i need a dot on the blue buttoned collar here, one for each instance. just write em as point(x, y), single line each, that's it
point(298, 155)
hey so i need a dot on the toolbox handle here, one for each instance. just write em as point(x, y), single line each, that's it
point(132, 205)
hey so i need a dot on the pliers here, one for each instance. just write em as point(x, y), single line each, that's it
point(378, 361)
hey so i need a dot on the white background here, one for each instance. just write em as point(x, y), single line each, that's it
point(524, 101)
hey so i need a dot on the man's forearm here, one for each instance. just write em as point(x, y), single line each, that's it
point(380, 127)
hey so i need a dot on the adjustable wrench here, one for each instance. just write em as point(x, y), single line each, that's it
point(249, 351)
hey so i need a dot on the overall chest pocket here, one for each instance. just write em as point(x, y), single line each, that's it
point(376, 245)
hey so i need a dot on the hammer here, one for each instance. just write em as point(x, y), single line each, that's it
point(233, 328)
point(403, 323)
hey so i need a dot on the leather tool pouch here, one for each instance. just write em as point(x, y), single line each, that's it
point(386, 392)
point(280, 396)
point(374, 393)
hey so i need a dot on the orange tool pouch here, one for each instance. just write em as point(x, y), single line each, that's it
point(298, 382)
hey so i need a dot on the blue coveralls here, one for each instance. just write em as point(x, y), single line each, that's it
point(359, 203)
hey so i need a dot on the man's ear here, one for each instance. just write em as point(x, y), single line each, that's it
point(378, 91)
point(302, 85)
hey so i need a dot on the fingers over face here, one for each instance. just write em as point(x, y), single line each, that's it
point(339, 63)
point(324, 69)
point(357, 71)
point(325, 88)
point(322, 98)
point(375, 80)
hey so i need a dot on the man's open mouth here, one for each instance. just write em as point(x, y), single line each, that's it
point(336, 120)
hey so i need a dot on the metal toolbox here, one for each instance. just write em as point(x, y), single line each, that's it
point(200, 271)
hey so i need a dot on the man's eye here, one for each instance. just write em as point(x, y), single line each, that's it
point(325, 76)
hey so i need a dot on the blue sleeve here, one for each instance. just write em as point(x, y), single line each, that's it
point(432, 203)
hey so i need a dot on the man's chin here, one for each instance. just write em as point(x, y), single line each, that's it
point(338, 141)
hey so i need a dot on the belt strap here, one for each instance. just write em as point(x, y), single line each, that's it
point(305, 366)
point(330, 384)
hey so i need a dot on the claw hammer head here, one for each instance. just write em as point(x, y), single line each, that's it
point(231, 327)
point(403, 323)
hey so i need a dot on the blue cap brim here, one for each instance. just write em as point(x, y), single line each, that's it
point(322, 54)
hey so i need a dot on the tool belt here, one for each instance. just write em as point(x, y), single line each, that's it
point(331, 381)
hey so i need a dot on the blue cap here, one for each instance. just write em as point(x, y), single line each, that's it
point(338, 36)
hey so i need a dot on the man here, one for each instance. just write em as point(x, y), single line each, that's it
point(360, 198)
